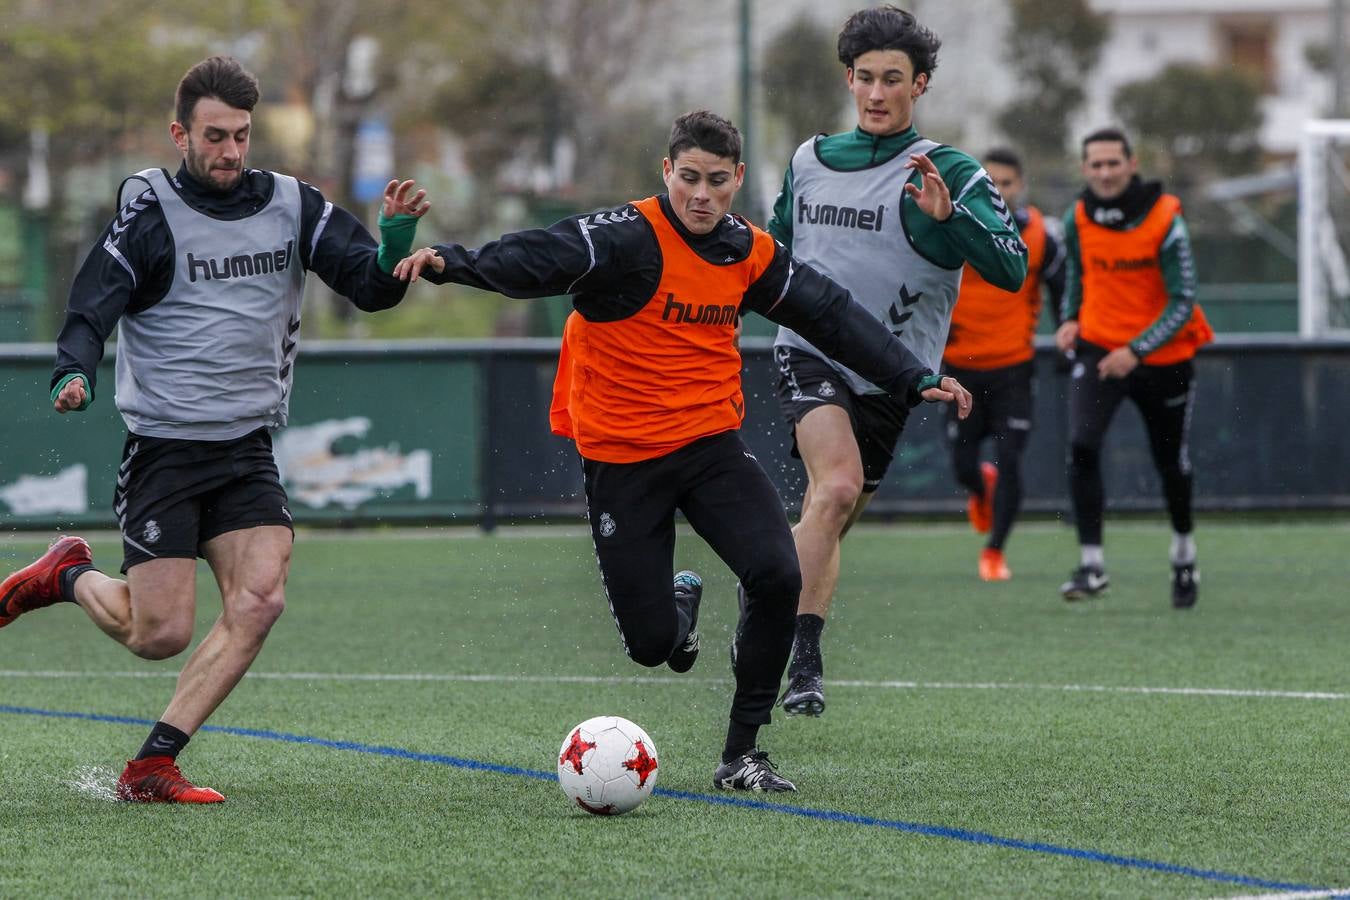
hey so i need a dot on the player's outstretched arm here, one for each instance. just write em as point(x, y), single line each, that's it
point(794, 294)
point(947, 390)
point(577, 255)
point(410, 267)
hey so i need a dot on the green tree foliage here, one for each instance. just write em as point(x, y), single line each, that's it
point(504, 120)
point(87, 72)
point(538, 76)
point(803, 80)
point(1052, 46)
point(1202, 120)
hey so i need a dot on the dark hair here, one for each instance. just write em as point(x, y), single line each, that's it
point(705, 131)
point(1004, 156)
point(220, 77)
point(1108, 134)
point(889, 28)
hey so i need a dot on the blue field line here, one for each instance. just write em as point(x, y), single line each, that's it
point(805, 812)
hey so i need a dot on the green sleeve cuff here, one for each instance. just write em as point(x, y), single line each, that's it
point(929, 382)
point(396, 239)
point(88, 390)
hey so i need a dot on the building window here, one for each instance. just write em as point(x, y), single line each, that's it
point(1247, 45)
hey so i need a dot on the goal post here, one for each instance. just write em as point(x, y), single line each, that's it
point(1324, 229)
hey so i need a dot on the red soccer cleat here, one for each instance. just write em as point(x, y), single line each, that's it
point(39, 584)
point(980, 510)
point(156, 779)
point(993, 567)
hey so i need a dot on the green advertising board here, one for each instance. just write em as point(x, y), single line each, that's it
point(376, 433)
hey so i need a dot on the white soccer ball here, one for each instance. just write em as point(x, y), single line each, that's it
point(607, 765)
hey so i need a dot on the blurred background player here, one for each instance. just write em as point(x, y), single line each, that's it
point(891, 216)
point(1131, 317)
point(205, 271)
point(991, 351)
point(649, 388)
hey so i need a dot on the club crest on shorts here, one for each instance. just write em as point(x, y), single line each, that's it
point(607, 526)
point(826, 389)
point(152, 533)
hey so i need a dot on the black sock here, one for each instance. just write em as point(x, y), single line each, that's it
point(68, 577)
point(806, 646)
point(164, 740)
point(740, 740)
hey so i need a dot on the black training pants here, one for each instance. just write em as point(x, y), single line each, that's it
point(1163, 396)
point(729, 501)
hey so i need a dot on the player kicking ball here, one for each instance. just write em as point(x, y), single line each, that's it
point(649, 388)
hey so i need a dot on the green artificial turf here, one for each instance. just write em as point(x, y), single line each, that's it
point(956, 710)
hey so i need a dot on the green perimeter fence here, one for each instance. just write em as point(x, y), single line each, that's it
point(457, 432)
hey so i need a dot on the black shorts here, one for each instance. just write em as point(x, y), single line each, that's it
point(174, 495)
point(807, 382)
point(1002, 402)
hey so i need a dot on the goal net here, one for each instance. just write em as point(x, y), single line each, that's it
point(1324, 229)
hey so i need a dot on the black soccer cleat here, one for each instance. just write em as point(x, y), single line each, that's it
point(805, 695)
point(1085, 583)
point(751, 772)
point(1185, 585)
point(688, 592)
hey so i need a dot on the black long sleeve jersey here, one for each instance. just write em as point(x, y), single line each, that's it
point(131, 267)
point(610, 262)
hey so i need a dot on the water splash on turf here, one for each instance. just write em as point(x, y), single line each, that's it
point(95, 782)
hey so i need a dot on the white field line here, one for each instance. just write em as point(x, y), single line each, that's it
point(641, 679)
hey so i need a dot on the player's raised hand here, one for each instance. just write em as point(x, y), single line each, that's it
point(71, 397)
point(410, 267)
point(400, 200)
point(933, 197)
point(949, 390)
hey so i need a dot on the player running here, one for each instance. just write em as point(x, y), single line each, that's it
point(1131, 317)
point(991, 349)
point(893, 217)
point(649, 388)
point(204, 270)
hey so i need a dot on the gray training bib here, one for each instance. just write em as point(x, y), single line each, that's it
point(214, 359)
point(848, 226)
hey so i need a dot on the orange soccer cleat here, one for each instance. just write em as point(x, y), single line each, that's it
point(156, 779)
point(39, 584)
point(980, 510)
point(993, 567)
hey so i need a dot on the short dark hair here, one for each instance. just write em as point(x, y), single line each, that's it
point(219, 77)
point(889, 28)
point(705, 131)
point(1004, 156)
point(1108, 134)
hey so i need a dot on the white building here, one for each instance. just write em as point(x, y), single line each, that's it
point(974, 79)
point(1269, 37)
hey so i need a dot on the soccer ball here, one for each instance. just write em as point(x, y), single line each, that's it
point(607, 765)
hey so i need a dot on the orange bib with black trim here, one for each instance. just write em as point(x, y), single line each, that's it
point(993, 328)
point(668, 375)
point(1124, 291)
